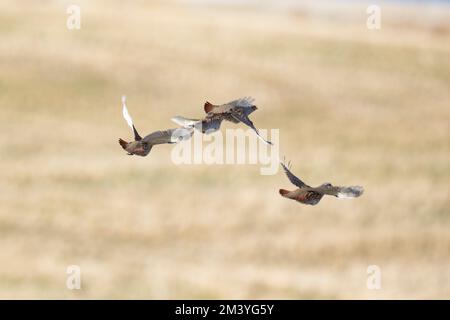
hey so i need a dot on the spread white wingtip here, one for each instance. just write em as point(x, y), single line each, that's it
point(125, 113)
point(184, 122)
point(350, 192)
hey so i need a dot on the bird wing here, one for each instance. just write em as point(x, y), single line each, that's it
point(349, 192)
point(128, 118)
point(246, 102)
point(168, 136)
point(208, 125)
point(125, 113)
point(229, 117)
point(185, 122)
point(211, 125)
point(245, 120)
point(340, 192)
point(294, 179)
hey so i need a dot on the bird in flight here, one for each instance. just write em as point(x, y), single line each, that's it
point(310, 195)
point(142, 146)
point(235, 111)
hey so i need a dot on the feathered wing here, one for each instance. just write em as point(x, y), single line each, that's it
point(245, 120)
point(349, 192)
point(181, 134)
point(229, 117)
point(168, 136)
point(339, 191)
point(158, 137)
point(128, 118)
point(125, 113)
point(210, 125)
point(185, 122)
point(246, 102)
point(292, 178)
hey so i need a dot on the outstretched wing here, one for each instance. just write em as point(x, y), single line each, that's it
point(128, 118)
point(125, 113)
point(210, 125)
point(340, 192)
point(244, 119)
point(246, 102)
point(294, 180)
point(349, 192)
point(168, 136)
point(185, 122)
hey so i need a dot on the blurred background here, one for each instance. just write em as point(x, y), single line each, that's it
point(353, 105)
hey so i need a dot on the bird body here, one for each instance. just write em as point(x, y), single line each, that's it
point(303, 195)
point(231, 111)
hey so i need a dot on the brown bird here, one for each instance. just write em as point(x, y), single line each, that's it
point(142, 146)
point(235, 111)
point(309, 195)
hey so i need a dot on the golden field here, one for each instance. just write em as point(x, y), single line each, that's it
point(353, 106)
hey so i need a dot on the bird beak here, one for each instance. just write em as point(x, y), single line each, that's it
point(254, 108)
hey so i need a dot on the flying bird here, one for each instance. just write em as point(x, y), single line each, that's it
point(142, 146)
point(235, 111)
point(310, 195)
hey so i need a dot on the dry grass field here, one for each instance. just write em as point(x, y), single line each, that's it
point(353, 106)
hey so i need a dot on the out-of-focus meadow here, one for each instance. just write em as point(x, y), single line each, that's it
point(354, 106)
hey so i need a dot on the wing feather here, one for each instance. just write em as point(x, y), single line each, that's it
point(125, 112)
point(128, 119)
point(185, 122)
point(245, 102)
point(349, 192)
point(168, 136)
point(294, 179)
point(245, 120)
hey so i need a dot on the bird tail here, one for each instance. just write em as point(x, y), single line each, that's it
point(283, 192)
point(123, 143)
point(208, 107)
